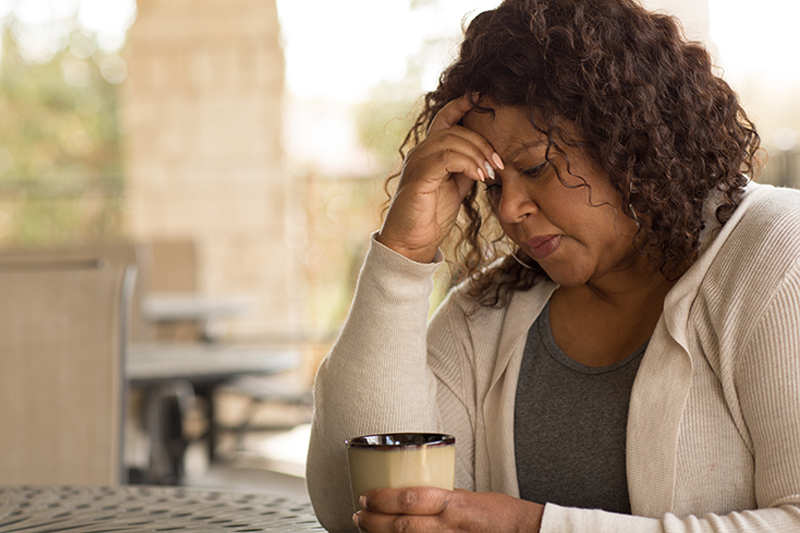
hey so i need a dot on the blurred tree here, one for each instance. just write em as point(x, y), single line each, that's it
point(60, 151)
point(387, 114)
point(383, 120)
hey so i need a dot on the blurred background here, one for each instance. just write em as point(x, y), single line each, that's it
point(247, 142)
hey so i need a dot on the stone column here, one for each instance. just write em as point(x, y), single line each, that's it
point(202, 111)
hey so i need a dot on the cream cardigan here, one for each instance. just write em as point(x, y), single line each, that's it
point(713, 439)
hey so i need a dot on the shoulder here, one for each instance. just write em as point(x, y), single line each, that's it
point(477, 342)
point(460, 308)
point(465, 318)
point(770, 206)
point(755, 252)
point(461, 300)
point(766, 232)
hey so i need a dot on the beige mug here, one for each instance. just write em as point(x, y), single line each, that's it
point(398, 460)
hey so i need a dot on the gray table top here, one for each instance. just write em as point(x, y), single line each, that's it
point(175, 306)
point(167, 361)
point(149, 509)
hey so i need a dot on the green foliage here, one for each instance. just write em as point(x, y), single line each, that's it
point(382, 124)
point(60, 148)
point(385, 117)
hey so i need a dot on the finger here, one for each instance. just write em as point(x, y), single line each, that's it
point(440, 166)
point(457, 137)
point(449, 144)
point(449, 115)
point(407, 501)
point(378, 522)
point(458, 149)
point(447, 122)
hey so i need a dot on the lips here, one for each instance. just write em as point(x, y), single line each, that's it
point(541, 247)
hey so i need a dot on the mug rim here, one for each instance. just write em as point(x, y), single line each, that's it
point(406, 439)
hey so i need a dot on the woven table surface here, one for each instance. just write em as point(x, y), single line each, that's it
point(145, 509)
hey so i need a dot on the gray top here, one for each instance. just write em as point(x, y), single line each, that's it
point(569, 425)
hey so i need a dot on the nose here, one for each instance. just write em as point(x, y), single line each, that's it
point(516, 201)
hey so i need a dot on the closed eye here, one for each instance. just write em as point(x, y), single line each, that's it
point(493, 186)
point(493, 190)
point(535, 170)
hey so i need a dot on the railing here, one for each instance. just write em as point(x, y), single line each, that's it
point(783, 168)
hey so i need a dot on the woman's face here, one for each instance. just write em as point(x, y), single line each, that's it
point(578, 234)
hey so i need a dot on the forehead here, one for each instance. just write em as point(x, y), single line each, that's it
point(508, 129)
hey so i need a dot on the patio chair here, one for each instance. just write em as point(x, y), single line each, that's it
point(63, 321)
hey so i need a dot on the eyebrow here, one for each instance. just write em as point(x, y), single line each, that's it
point(524, 147)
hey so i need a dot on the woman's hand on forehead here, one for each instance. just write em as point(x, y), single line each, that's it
point(437, 175)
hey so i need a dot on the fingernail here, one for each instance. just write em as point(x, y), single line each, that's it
point(481, 175)
point(355, 519)
point(498, 161)
point(489, 169)
point(362, 501)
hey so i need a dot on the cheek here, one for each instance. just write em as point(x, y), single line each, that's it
point(607, 235)
point(509, 231)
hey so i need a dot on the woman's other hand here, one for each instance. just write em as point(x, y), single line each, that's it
point(437, 174)
point(427, 509)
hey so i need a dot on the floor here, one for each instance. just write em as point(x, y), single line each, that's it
point(270, 463)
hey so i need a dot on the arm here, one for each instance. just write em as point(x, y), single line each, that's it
point(374, 380)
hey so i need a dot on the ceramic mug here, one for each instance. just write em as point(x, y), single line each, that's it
point(398, 460)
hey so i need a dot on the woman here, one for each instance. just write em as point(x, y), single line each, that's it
point(633, 362)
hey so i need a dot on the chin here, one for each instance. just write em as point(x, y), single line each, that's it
point(569, 283)
point(567, 279)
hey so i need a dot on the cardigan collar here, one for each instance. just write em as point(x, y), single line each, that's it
point(663, 381)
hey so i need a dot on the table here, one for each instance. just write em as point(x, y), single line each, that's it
point(170, 373)
point(149, 509)
point(201, 309)
point(167, 306)
point(201, 363)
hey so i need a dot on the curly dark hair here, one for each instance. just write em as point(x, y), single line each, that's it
point(644, 101)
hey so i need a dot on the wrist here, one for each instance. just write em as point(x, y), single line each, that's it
point(530, 520)
point(422, 255)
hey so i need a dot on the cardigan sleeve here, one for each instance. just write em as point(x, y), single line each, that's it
point(768, 385)
point(375, 379)
point(451, 359)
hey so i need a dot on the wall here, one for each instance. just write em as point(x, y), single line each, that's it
point(202, 114)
